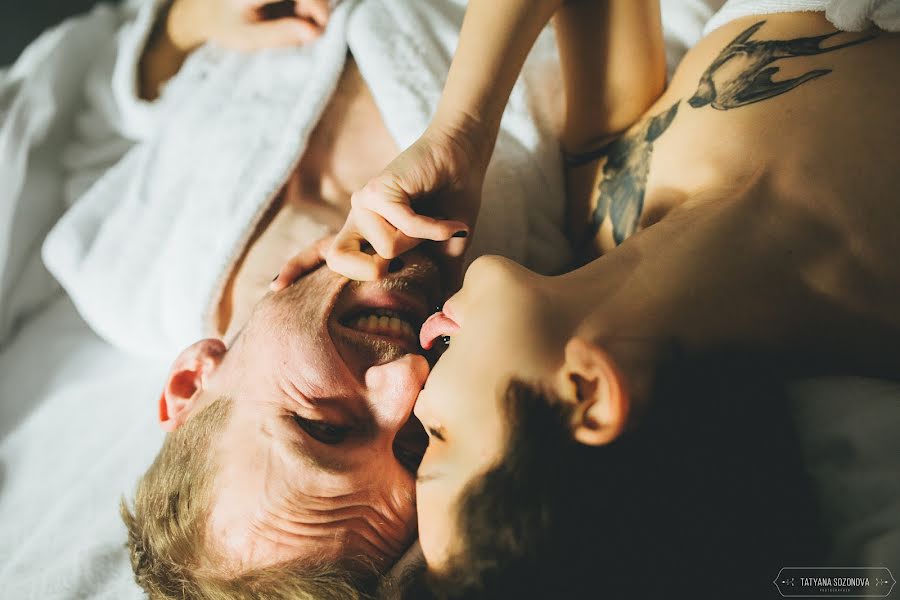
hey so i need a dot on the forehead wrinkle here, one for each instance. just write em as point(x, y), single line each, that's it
point(286, 501)
point(268, 526)
point(300, 503)
point(319, 508)
point(341, 526)
point(259, 532)
point(337, 541)
point(297, 510)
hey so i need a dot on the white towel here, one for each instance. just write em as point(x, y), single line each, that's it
point(846, 15)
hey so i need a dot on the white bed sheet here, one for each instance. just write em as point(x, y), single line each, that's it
point(77, 420)
point(78, 427)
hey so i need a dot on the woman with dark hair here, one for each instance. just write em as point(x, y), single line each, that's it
point(745, 234)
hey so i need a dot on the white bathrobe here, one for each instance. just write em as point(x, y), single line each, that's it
point(68, 112)
point(145, 252)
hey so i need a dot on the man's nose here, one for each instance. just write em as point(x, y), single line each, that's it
point(393, 388)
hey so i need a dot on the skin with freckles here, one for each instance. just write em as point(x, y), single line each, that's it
point(318, 453)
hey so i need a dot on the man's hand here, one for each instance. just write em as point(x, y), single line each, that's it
point(246, 24)
point(302, 263)
point(431, 191)
point(238, 24)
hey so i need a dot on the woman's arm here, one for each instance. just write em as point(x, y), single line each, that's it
point(451, 157)
point(494, 41)
point(612, 56)
point(444, 169)
point(613, 66)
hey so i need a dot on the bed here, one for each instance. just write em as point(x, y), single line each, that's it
point(77, 428)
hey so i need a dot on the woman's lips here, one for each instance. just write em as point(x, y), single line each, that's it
point(437, 325)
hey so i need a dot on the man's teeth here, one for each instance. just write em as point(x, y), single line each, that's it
point(383, 322)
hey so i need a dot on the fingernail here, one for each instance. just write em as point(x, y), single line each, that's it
point(461, 234)
point(274, 278)
point(395, 265)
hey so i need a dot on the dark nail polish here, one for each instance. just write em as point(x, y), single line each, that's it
point(461, 234)
point(395, 265)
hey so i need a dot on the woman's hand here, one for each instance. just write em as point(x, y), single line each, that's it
point(246, 24)
point(431, 191)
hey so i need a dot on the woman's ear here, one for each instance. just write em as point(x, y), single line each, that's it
point(187, 377)
point(602, 403)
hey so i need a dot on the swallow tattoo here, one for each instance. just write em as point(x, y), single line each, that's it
point(723, 90)
point(624, 180)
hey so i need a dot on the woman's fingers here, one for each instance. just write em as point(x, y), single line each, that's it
point(346, 255)
point(387, 241)
point(423, 227)
point(394, 207)
point(347, 258)
point(454, 247)
point(300, 264)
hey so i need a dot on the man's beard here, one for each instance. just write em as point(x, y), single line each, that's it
point(420, 276)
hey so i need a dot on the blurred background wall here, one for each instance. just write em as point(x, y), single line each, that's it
point(23, 20)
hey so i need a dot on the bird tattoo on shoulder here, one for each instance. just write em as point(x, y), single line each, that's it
point(624, 180)
point(722, 89)
point(741, 74)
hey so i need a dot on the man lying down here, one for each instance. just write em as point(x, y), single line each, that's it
point(289, 467)
point(283, 397)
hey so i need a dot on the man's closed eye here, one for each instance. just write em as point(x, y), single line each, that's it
point(322, 431)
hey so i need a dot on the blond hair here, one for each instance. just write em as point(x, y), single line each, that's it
point(167, 531)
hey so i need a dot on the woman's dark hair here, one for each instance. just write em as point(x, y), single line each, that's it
point(707, 498)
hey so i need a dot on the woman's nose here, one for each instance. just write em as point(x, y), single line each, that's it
point(493, 271)
point(392, 389)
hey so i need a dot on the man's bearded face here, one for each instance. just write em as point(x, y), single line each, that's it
point(319, 454)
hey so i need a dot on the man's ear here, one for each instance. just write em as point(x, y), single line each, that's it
point(187, 377)
point(602, 403)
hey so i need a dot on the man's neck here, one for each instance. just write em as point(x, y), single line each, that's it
point(349, 145)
